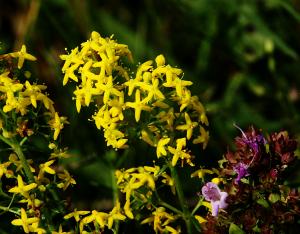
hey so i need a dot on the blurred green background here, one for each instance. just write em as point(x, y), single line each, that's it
point(243, 57)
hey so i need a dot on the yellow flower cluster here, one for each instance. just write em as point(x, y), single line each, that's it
point(98, 219)
point(28, 184)
point(18, 97)
point(161, 221)
point(131, 180)
point(156, 96)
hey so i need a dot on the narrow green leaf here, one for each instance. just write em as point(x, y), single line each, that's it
point(234, 229)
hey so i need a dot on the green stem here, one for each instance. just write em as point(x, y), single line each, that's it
point(17, 148)
point(181, 199)
point(5, 209)
point(162, 203)
point(56, 199)
point(197, 206)
point(115, 194)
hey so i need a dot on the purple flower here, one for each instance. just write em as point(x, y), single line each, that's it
point(242, 170)
point(212, 193)
point(253, 140)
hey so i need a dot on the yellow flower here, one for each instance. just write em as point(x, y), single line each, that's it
point(4, 170)
point(22, 55)
point(76, 214)
point(86, 92)
point(160, 60)
point(138, 105)
point(67, 180)
point(161, 220)
point(72, 58)
point(127, 209)
point(115, 214)
point(202, 138)
point(200, 219)
point(69, 74)
point(14, 159)
point(114, 137)
point(168, 180)
point(24, 221)
point(32, 91)
point(32, 202)
point(117, 106)
point(170, 73)
point(153, 91)
point(132, 83)
point(147, 137)
point(108, 89)
point(188, 127)
point(45, 167)
point(217, 180)
point(168, 117)
point(35, 228)
point(21, 188)
point(142, 68)
point(179, 152)
point(57, 124)
point(201, 173)
point(96, 217)
point(160, 149)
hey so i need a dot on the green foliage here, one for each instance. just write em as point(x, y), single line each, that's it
point(242, 56)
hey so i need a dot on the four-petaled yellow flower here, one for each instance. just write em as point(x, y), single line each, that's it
point(179, 152)
point(24, 221)
point(138, 105)
point(57, 124)
point(45, 167)
point(188, 127)
point(115, 214)
point(21, 188)
point(160, 148)
point(76, 214)
point(202, 138)
point(22, 55)
point(161, 220)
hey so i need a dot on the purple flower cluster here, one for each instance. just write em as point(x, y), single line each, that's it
point(264, 202)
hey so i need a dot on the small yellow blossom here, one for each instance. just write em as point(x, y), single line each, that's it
point(76, 214)
point(188, 127)
point(115, 214)
point(21, 188)
point(160, 60)
point(161, 220)
point(24, 221)
point(96, 217)
point(57, 123)
point(217, 180)
point(108, 89)
point(22, 55)
point(45, 167)
point(201, 173)
point(200, 219)
point(67, 180)
point(138, 105)
point(179, 152)
point(202, 138)
point(4, 170)
point(153, 91)
point(160, 148)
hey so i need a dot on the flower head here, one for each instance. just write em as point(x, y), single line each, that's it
point(242, 170)
point(212, 193)
point(252, 139)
